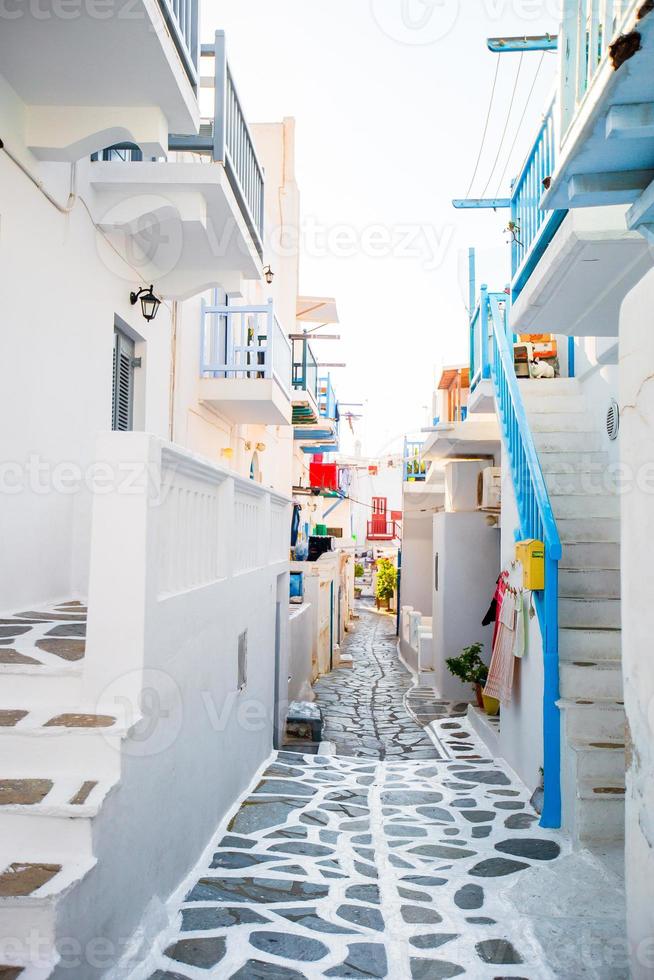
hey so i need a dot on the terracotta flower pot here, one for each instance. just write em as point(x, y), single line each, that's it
point(479, 696)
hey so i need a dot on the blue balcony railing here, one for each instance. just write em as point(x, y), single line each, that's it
point(537, 521)
point(244, 342)
point(533, 228)
point(305, 368)
point(588, 27)
point(327, 405)
point(227, 137)
point(182, 21)
point(415, 467)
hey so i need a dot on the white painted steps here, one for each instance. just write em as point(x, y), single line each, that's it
point(572, 452)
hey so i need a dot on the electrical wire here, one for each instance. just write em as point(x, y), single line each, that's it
point(483, 138)
point(518, 130)
point(506, 124)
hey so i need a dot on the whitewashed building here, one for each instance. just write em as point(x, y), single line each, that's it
point(576, 448)
point(147, 470)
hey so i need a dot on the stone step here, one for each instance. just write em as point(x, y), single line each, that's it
point(595, 613)
point(591, 679)
point(571, 461)
point(590, 554)
point(598, 719)
point(537, 402)
point(549, 386)
point(582, 643)
point(51, 817)
point(585, 481)
point(599, 816)
point(578, 582)
point(597, 762)
point(581, 530)
point(29, 894)
point(552, 421)
point(33, 686)
point(556, 442)
point(589, 505)
point(58, 742)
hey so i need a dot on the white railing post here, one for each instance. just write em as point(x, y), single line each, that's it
point(220, 97)
point(270, 347)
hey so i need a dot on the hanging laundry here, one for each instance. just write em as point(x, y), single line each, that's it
point(492, 616)
point(500, 674)
point(520, 641)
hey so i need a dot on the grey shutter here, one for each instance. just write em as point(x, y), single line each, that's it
point(123, 383)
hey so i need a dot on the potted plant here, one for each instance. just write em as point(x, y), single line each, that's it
point(471, 669)
point(386, 582)
point(358, 578)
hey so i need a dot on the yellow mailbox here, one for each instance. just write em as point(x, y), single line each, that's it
point(531, 555)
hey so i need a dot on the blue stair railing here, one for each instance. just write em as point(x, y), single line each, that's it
point(536, 521)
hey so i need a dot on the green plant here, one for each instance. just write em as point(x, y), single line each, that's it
point(358, 570)
point(468, 666)
point(386, 579)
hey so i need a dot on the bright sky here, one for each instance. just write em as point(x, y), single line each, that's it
point(390, 99)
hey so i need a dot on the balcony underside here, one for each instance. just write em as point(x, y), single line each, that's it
point(607, 156)
point(94, 55)
point(471, 439)
point(182, 219)
point(584, 274)
point(247, 400)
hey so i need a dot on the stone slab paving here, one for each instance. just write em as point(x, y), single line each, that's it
point(49, 637)
point(345, 867)
point(364, 706)
point(391, 859)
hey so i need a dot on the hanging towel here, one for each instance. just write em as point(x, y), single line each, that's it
point(500, 674)
point(519, 643)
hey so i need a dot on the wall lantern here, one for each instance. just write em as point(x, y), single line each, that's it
point(149, 302)
point(269, 275)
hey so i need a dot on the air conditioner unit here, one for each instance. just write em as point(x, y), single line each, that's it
point(461, 484)
point(489, 488)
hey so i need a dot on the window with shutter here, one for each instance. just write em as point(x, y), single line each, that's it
point(123, 382)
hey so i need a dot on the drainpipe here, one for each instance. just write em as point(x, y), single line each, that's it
point(173, 369)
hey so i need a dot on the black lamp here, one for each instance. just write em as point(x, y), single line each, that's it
point(149, 302)
point(269, 275)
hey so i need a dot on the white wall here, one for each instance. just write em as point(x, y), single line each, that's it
point(417, 562)
point(299, 671)
point(166, 610)
point(61, 291)
point(636, 442)
point(521, 723)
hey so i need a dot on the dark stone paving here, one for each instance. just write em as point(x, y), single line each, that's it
point(364, 706)
point(383, 861)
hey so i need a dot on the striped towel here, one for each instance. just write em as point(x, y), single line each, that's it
point(500, 674)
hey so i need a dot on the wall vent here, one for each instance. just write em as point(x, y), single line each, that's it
point(613, 420)
point(242, 660)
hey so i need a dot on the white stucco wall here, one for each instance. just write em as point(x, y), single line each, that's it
point(636, 441)
point(61, 292)
point(417, 562)
point(521, 724)
point(299, 670)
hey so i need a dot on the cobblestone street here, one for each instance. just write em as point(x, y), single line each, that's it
point(364, 707)
point(389, 859)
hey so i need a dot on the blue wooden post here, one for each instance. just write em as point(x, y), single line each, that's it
point(571, 357)
point(551, 815)
point(483, 319)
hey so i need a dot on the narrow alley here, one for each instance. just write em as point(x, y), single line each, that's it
point(392, 858)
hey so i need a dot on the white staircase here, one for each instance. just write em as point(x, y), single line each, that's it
point(58, 765)
point(575, 466)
